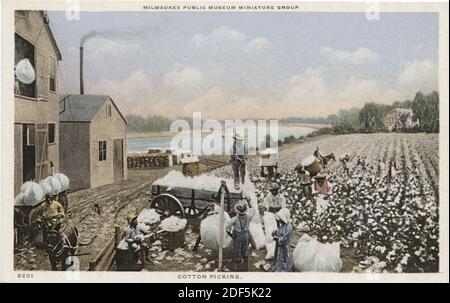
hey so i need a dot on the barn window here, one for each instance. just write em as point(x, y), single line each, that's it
point(51, 133)
point(31, 134)
point(101, 150)
point(24, 50)
point(52, 75)
point(108, 111)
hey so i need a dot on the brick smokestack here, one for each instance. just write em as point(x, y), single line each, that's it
point(81, 71)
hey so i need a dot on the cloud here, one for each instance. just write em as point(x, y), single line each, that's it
point(257, 45)
point(359, 56)
point(228, 40)
point(134, 94)
point(220, 36)
point(186, 78)
point(419, 75)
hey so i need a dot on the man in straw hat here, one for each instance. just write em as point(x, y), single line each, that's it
point(238, 155)
point(283, 260)
point(134, 238)
point(238, 229)
point(274, 201)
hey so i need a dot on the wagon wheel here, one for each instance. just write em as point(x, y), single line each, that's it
point(167, 205)
point(192, 211)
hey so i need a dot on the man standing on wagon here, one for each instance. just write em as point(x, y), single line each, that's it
point(238, 155)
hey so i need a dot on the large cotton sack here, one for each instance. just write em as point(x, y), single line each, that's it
point(54, 183)
point(18, 200)
point(270, 225)
point(33, 193)
point(63, 181)
point(310, 255)
point(209, 231)
point(25, 71)
point(270, 248)
point(257, 236)
point(46, 187)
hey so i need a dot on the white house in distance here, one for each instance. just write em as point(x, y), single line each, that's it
point(393, 118)
point(93, 145)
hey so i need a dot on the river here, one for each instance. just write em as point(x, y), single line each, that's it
point(143, 144)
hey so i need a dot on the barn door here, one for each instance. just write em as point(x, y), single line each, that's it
point(118, 159)
point(42, 167)
point(28, 152)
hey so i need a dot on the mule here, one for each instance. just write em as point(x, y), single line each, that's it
point(61, 243)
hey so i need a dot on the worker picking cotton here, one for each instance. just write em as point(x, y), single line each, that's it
point(238, 228)
point(274, 201)
point(283, 260)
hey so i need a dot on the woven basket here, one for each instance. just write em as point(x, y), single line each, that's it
point(172, 240)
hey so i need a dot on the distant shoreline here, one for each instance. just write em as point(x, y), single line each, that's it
point(163, 134)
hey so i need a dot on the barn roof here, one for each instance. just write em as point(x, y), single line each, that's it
point(82, 108)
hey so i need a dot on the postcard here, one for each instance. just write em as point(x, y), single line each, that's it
point(213, 141)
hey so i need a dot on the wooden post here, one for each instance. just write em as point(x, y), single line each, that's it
point(221, 219)
point(117, 235)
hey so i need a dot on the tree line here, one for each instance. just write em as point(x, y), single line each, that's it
point(369, 118)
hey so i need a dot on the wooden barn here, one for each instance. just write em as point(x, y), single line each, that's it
point(36, 139)
point(93, 146)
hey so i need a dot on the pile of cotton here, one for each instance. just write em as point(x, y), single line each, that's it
point(209, 231)
point(32, 193)
point(143, 228)
point(173, 224)
point(311, 255)
point(148, 216)
point(205, 182)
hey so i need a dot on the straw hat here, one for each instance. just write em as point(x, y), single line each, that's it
point(284, 215)
point(241, 208)
point(131, 217)
point(274, 186)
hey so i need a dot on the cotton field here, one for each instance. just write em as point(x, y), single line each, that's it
point(391, 216)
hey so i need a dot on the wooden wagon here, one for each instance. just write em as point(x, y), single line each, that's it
point(26, 216)
point(190, 202)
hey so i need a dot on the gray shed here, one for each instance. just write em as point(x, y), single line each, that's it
point(93, 146)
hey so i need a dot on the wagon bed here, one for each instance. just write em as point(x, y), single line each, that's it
point(189, 202)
